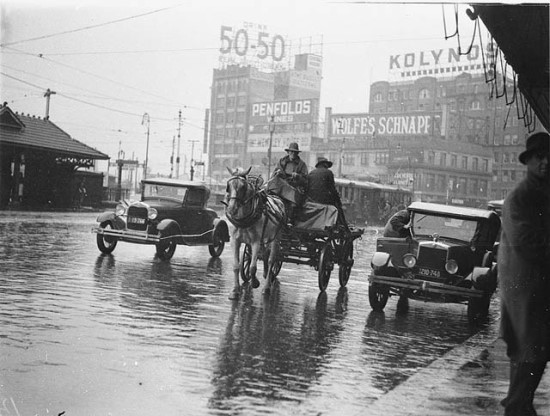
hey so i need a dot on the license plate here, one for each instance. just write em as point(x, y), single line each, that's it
point(429, 272)
point(135, 220)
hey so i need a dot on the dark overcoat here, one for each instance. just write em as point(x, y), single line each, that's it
point(297, 166)
point(322, 188)
point(524, 271)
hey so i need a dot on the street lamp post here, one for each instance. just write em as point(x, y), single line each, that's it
point(271, 131)
point(147, 120)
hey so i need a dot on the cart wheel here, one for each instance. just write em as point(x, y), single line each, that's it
point(325, 266)
point(244, 266)
point(346, 263)
point(276, 268)
point(378, 297)
point(478, 308)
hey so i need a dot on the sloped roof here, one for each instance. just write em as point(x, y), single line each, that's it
point(41, 134)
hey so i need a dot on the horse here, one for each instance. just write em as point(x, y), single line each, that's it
point(258, 219)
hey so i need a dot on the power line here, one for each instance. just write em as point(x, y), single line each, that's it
point(100, 77)
point(86, 27)
point(82, 101)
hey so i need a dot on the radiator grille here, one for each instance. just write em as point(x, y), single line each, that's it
point(137, 218)
point(432, 257)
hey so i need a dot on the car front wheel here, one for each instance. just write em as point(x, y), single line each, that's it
point(105, 243)
point(166, 249)
point(378, 297)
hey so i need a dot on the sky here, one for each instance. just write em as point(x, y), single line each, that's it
point(112, 62)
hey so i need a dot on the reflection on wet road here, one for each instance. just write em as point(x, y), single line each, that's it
point(126, 333)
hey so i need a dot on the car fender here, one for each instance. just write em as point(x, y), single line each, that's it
point(117, 222)
point(379, 260)
point(169, 227)
point(221, 229)
point(483, 278)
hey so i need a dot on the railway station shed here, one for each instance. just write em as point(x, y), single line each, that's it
point(39, 165)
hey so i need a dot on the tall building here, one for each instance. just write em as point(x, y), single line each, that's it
point(439, 132)
point(252, 106)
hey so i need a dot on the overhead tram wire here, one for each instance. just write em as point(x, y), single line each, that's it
point(98, 96)
point(104, 78)
point(66, 32)
point(83, 101)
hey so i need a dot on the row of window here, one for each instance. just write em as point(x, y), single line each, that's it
point(463, 162)
point(230, 102)
point(455, 185)
point(231, 85)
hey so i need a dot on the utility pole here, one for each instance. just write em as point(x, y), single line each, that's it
point(192, 170)
point(271, 131)
point(147, 120)
point(172, 157)
point(179, 140)
point(47, 95)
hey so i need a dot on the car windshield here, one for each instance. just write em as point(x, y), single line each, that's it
point(155, 191)
point(445, 227)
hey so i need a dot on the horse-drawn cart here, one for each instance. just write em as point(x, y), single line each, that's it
point(316, 240)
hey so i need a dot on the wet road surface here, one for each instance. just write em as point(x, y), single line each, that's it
point(127, 334)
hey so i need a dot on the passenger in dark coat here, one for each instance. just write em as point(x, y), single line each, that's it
point(322, 188)
point(293, 171)
point(397, 225)
point(292, 168)
point(524, 277)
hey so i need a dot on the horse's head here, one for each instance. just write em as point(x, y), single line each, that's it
point(238, 191)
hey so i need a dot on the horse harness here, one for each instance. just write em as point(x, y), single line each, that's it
point(260, 205)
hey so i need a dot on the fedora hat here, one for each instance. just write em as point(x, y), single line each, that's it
point(293, 147)
point(536, 143)
point(323, 160)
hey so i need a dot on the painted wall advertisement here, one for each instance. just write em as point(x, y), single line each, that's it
point(379, 125)
point(291, 121)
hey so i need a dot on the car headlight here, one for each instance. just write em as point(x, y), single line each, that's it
point(152, 213)
point(409, 260)
point(120, 209)
point(451, 266)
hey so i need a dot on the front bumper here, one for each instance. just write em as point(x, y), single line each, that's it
point(425, 286)
point(140, 237)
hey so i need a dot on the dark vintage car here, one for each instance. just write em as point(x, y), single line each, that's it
point(170, 212)
point(448, 257)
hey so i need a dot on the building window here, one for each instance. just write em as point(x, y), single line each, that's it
point(430, 182)
point(431, 158)
point(464, 162)
point(381, 158)
point(475, 164)
point(348, 159)
point(485, 165)
point(241, 101)
point(443, 159)
point(364, 159)
point(514, 139)
point(424, 94)
point(462, 185)
point(378, 97)
point(220, 102)
point(505, 158)
point(507, 139)
point(454, 162)
point(475, 105)
point(441, 186)
point(483, 187)
point(513, 157)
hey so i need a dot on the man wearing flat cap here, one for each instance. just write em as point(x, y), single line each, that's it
point(524, 277)
point(321, 187)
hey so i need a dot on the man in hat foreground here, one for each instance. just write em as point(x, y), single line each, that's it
point(293, 170)
point(322, 189)
point(524, 277)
